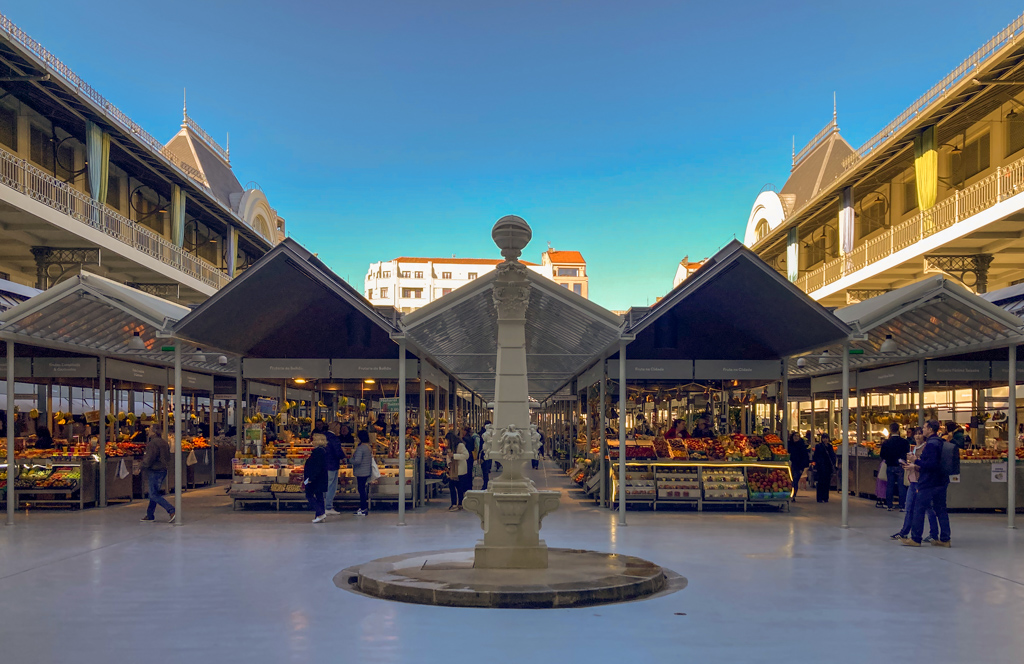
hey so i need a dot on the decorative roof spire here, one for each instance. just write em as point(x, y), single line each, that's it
point(794, 151)
point(184, 107)
point(834, 109)
point(227, 148)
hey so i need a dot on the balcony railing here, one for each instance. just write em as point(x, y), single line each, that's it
point(1006, 181)
point(22, 176)
point(54, 65)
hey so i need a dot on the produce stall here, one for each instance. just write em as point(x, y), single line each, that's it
point(706, 484)
point(39, 482)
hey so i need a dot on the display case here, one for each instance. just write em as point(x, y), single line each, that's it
point(704, 483)
point(53, 483)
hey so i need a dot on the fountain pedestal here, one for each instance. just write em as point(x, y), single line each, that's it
point(512, 509)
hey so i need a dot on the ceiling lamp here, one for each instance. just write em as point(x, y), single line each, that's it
point(200, 357)
point(369, 381)
point(1012, 115)
point(300, 381)
point(826, 357)
point(889, 345)
point(136, 342)
point(801, 362)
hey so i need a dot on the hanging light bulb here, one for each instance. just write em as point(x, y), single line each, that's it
point(136, 342)
point(889, 345)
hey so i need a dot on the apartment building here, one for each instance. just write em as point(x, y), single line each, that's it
point(939, 189)
point(83, 187)
point(408, 283)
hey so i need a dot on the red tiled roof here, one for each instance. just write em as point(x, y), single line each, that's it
point(566, 257)
point(455, 261)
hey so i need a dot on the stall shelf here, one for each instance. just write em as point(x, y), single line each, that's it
point(699, 484)
point(70, 483)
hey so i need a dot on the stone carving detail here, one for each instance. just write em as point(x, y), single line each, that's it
point(511, 443)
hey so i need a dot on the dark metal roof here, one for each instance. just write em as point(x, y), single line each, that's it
point(290, 305)
point(734, 307)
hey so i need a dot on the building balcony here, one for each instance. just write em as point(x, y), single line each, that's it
point(97, 224)
point(990, 199)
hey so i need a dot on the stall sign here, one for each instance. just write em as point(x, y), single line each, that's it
point(384, 368)
point(592, 375)
point(263, 390)
point(830, 383)
point(654, 369)
point(57, 367)
point(389, 405)
point(309, 369)
point(22, 367)
point(896, 375)
point(192, 381)
point(737, 369)
point(266, 406)
point(999, 471)
point(428, 372)
point(947, 371)
point(136, 373)
point(1001, 372)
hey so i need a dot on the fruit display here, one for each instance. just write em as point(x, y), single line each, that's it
point(634, 450)
point(63, 478)
point(640, 483)
point(723, 484)
point(680, 483)
point(766, 484)
point(988, 454)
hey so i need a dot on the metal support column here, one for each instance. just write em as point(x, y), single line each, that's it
point(845, 479)
point(103, 433)
point(785, 400)
point(920, 393)
point(422, 449)
point(12, 501)
point(239, 424)
point(622, 432)
point(1011, 442)
point(401, 431)
point(605, 495)
point(178, 483)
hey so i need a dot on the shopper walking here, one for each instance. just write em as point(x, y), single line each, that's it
point(335, 457)
point(362, 468)
point(824, 466)
point(485, 463)
point(457, 473)
point(315, 477)
point(894, 453)
point(956, 435)
point(155, 462)
point(911, 473)
point(799, 459)
point(931, 487)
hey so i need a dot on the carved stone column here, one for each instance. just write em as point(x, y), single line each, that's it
point(512, 509)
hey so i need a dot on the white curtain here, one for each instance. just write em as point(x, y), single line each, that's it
point(846, 221)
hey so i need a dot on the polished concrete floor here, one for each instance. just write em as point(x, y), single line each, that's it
point(99, 586)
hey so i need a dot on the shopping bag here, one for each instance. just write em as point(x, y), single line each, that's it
point(192, 460)
point(122, 470)
point(374, 470)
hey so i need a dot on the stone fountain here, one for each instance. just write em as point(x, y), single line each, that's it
point(511, 509)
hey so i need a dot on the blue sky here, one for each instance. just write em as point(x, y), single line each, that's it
point(634, 132)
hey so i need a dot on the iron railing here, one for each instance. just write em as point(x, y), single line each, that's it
point(55, 66)
point(40, 186)
point(214, 145)
point(1006, 181)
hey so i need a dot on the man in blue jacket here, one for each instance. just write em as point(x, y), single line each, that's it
point(931, 488)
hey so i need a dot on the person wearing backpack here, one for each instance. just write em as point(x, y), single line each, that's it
point(939, 460)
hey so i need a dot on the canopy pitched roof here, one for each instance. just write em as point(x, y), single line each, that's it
point(564, 333)
point(734, 307)
point(289, 304)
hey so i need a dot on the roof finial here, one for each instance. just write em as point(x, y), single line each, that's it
point(184, 107)
point(834, 109)
point(227, 148)
point(794, 151)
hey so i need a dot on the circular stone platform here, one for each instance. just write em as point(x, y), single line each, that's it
point(574, 577)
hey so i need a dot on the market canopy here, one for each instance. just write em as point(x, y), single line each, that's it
point(735, 307)
point(932, 318)
point(290, 305)
point(564, 332)
point(92, 315)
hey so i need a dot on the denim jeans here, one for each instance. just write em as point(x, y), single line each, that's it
point(895, 482)
point(364, 493)
point(332, 489)
point(934, 497)
point(908, 518)
point(156, 482)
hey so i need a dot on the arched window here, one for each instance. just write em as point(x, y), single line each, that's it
point(260, 224)
point(761, 230)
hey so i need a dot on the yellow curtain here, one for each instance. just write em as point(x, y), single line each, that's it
point(926, 168)
point(104, 168)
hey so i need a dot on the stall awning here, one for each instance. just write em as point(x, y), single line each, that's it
point(92, 315)
point(932, 318)
point(290, 305)
point(735, 307)
point(564, 333)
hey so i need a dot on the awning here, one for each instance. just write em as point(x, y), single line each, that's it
point(89, 314)
point(932, 318)
point(564, 333)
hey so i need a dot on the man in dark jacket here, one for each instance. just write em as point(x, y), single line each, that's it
point(894, 452)
point(931, 488)
point(335, 457)
point(315, 477)
point(155, 462)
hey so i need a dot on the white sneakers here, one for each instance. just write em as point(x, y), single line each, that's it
point(320, 519)
point(332, 512)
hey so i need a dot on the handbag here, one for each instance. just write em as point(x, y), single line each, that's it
point(453, 469)
point(374, 470)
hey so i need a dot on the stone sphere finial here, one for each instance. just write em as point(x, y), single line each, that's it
point(511, 234)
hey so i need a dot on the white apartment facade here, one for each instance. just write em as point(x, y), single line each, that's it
point(408, 283)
